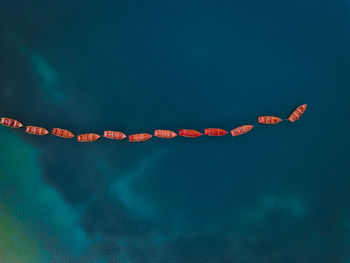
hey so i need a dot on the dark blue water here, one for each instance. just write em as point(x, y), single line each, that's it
point(277, 194)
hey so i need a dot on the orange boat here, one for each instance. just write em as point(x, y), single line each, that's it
point(241, 130)
point(140, 137)
point(165, 134)
point(62, 133)
point(10, 122)
point(189, 133)
point(268, 119)
point(36, 130)
point(88, 137)
point(215, 132)
point(297, 113)
point(115, 135)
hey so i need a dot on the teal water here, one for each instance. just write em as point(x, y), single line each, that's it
point(277, 194)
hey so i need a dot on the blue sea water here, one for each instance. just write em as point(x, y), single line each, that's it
point(277, 194)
